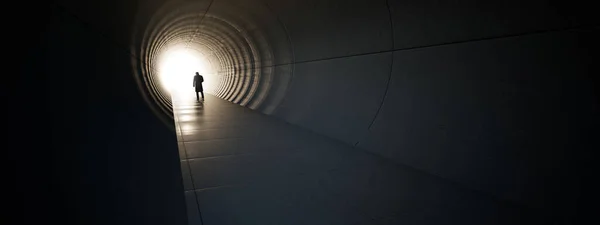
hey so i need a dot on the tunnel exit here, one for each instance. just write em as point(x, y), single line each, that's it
point(177, 66)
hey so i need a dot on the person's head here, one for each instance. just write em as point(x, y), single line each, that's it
point(197, 73)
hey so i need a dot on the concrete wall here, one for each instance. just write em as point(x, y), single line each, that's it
point(495, 96)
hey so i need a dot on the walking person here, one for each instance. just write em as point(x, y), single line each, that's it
point(198, 79)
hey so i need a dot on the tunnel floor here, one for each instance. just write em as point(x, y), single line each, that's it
point(243, 167)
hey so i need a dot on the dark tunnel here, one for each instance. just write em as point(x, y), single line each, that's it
point(495, 99)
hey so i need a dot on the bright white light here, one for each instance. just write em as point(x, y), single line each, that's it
point(177, 68)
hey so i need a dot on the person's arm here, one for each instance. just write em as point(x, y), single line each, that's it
point(194, 81)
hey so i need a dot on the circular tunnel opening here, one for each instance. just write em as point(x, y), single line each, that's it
point(178, 64)
point(244, 55)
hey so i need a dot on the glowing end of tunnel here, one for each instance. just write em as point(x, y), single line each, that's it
point(177, 67)
point(240, 61)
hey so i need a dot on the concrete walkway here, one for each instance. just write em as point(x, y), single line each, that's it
point(241, 167)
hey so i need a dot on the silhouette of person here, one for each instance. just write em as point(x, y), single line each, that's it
point(198, 79)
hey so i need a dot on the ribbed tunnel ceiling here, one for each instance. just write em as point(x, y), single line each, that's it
point(241, 46)
point(464, 90)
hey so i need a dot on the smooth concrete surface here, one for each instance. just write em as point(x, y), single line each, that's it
point(335, 97)
point(509, 116)
point(244, 167)
point(430, 22)
point(337, 28)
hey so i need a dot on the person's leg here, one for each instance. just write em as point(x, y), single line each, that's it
point(202, 92)
point(197, 98)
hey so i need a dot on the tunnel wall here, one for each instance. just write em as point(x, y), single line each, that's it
point(94, 150)
point(495, 96)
